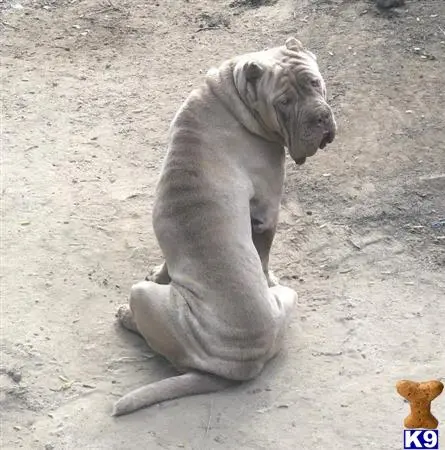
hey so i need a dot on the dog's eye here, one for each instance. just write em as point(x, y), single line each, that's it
point(316, 83)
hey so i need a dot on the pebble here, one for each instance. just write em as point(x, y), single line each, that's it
point(15, 374)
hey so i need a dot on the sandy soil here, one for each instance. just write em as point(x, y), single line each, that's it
point(88, 91)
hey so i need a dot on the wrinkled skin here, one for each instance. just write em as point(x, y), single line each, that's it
point(297, 111)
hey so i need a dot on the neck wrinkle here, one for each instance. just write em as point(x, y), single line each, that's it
point(221, 82)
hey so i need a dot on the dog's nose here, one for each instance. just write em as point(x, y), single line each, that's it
point(324, 118)
point(327, 123)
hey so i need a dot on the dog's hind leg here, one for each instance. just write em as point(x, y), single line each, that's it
point(153, 315)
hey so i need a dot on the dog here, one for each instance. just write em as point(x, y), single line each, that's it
point(213, 309)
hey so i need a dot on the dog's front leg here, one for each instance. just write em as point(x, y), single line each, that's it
point(262, 239)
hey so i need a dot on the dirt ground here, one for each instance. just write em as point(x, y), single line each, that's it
point(88, 90)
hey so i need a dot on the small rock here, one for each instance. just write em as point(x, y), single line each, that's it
point(15, 374)
point(49, 447)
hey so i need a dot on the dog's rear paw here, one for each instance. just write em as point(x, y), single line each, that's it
point(151, 275)
point(125, 318)
point(159, 275)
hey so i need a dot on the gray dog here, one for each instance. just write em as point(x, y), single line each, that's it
point(212, 309)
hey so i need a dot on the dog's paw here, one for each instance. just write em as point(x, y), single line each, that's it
point(123, 313)
point(159, 275)
point(272, 280)
point(125, 318)
point(151, 275)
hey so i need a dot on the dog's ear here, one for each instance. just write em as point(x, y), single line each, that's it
point(293, 44)
point(253, 71)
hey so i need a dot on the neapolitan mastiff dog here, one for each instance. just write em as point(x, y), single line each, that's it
point(212, 309)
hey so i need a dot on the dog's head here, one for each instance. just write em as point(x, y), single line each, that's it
point(286, 93)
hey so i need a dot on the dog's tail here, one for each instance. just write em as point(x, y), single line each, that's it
point(191, 383)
